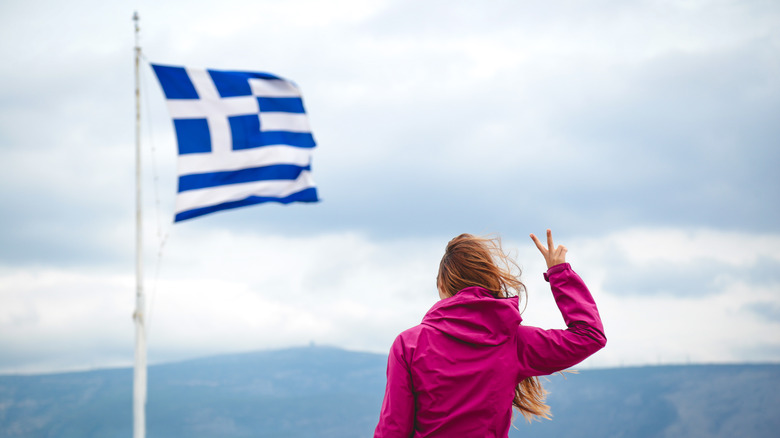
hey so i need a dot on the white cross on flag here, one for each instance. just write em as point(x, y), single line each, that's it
point(243, 139)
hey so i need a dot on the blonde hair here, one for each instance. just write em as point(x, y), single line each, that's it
point(479, 261)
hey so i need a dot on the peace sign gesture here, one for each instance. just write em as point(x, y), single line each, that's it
point(552, 255)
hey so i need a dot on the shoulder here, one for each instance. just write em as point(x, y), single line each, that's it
point(408, 340)
point(405, 344)
point(410, 335)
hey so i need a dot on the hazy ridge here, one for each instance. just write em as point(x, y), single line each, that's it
point(329, 392)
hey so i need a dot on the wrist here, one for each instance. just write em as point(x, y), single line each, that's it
point(555, 269)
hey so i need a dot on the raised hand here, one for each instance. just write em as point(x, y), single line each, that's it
point(552, 255)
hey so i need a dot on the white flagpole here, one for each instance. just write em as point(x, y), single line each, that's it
point(139, 370)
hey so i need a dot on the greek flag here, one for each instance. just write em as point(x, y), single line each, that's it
point(243, 139)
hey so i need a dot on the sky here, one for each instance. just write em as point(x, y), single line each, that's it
point(644, 134)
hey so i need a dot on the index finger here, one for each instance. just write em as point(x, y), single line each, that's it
point(549, 239)
point(538, 243)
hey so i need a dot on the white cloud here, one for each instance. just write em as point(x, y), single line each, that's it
point(53, 319)
point(657, 325)
point(222, 292)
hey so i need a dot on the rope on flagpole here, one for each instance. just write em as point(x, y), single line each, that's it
point(162, 235)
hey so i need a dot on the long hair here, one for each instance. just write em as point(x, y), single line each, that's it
point(478, 261)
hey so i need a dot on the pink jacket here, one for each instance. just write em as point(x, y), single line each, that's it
point(455, 374)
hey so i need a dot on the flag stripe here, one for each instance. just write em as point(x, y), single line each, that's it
point(297, 139)
point(270, 88)
point(281, 104)
point(218, 195)
point(305, 195)
point(207, 163)
point(265, 173)
point(284, 122)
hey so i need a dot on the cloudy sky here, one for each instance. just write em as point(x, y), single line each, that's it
point(645, 134)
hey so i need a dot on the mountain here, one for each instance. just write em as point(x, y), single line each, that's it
point(329, 392)
point(690, 401)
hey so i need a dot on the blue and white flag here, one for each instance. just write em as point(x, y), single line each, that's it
point(243, 139)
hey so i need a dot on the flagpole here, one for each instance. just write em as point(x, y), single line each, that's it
point(139, 369)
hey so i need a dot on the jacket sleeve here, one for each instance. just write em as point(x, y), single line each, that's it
point(397, 416)
point(543, 352)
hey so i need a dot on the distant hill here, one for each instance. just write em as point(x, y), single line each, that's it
point(328, 392)
point(691, 401)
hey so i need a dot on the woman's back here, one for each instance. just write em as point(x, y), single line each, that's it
point(463, 365)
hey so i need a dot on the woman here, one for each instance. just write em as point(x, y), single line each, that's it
point(459, 373)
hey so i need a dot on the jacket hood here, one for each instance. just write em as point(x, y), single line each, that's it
point(473, 315)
